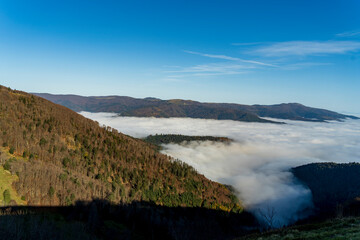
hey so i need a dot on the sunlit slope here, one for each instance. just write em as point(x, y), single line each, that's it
point(8, 195)
point(60, 157)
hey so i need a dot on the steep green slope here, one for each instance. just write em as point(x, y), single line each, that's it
point(8, 195)
point(61, 157)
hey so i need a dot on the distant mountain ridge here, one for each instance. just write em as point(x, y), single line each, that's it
point(154, 107)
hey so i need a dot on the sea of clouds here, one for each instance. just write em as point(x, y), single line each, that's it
point(257, 163)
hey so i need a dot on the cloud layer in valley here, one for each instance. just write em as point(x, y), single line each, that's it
point(257, 164)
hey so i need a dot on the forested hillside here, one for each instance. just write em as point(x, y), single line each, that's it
point(335, 187)
point(59, 157)
point(159, 139)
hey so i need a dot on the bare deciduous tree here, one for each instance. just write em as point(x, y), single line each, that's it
point(269, 216)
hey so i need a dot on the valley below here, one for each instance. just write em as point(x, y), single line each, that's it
point(102, 175)
point(258, 162)
point(180, 120)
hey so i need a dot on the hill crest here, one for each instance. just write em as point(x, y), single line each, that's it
point(154, 107)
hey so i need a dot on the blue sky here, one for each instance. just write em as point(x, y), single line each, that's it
point(249, 52)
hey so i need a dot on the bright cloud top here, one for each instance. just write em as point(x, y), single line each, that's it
point(257, 164)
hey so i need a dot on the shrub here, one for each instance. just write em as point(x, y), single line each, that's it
point(51, 191)
point(111, 197)
point(12, 150)
point(7, 165)
point(66, 162)
point(42, 141)
point(63, 177)
point(7, 197)
point(68, 201)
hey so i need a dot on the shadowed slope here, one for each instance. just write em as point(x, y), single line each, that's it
point(101, 220)
point(335, 187)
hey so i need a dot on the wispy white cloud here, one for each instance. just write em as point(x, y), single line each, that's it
point(279, 53)
point(224, 57)
point(173, 79)
point(349, 34)
point(304, 48)
point(259, 63)
point(213, 56)
point(247, 43)
point(301, 65)
point(217, 74)
point(212, 69)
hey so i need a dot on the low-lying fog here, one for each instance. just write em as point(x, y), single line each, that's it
point(257, 163)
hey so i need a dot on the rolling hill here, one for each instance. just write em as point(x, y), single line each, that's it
point(52, 156)
point(51, 147)
point(153, 107)
point(335, 187)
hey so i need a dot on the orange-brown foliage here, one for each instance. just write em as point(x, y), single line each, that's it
point(60, 149)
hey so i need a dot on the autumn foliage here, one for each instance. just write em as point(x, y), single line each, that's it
point(61, 157)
